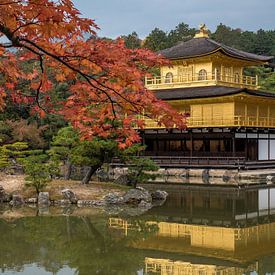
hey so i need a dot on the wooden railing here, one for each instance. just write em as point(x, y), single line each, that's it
point(162, 82)
point(174, 161)
point(179, 161)
point(234, 121)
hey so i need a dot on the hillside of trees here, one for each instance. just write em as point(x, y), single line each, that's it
point(260, 42)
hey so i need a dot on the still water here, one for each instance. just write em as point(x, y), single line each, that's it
point(197, 231)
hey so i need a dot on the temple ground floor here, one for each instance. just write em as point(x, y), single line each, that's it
point(211, 145)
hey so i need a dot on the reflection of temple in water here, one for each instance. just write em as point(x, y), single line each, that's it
point(168, 267)
point(235, 228)
point(218, 206)
point(234, 244)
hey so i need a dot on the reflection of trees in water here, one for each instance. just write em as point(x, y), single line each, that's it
point(87, 245)
point(83, 243)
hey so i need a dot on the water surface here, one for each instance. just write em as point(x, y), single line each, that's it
point(198, 230)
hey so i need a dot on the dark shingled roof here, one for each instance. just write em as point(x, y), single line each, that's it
point(202, 92)
point(204, 46)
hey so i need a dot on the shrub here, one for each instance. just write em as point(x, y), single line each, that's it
point(38, 171)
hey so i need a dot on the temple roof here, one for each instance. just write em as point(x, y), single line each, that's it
point(203, 92)
point(203, 46)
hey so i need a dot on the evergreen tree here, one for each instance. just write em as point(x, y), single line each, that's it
point(228, 36)
point(39, 171)
point(94, 154)
point(182, 32)
point(61, 147)
point(157, 40)
point(132, 41)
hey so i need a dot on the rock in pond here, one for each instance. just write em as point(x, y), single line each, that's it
point(69, 195)
point(44, 198)
point(145, 205)
point(113, 198)
point(159, 195)
point(135, 196)
point(17, 200)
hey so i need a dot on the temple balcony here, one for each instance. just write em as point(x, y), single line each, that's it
point(234, 121)
point(197, 80)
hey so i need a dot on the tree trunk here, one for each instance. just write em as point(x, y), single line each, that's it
point(89, 174)
point(69, 167)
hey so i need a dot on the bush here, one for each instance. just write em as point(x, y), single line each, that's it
point(39, 172)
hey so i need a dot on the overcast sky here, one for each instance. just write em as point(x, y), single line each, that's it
point(117, 17)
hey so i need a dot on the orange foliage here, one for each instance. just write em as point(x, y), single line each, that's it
point(107, 77)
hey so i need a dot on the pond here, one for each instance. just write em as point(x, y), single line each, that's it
point(198, 230)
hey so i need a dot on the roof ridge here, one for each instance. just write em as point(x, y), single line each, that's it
point(204, 45)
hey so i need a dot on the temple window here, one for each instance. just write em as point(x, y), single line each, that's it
point(237, 78)
point(169, 78)
point(202, 74)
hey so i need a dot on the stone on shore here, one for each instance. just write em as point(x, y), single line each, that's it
point(44, 198)
point(145, 205)
point(159, 195)
point(69, 195)
point(113, 198)
point(135, 196)
point(17, 200)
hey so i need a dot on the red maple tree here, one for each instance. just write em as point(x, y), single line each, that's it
point(107, 92)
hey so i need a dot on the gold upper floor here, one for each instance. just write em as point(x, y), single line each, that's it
point(239, 110)
point(215, 69)
point(202, 61)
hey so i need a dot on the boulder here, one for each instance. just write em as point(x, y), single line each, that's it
point(69, 195)
point(144, 204)
point(44, 198)
point(135, 196)
point(17, 200)
point(159, 195)
point(113, 198)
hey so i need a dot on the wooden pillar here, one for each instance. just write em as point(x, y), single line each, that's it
point(234, 145)
point(157, 143)
point(246, 147)
point(234, 208)
point(257, 118)
point(191, 138)
point(191, 205)
point(268, 116)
